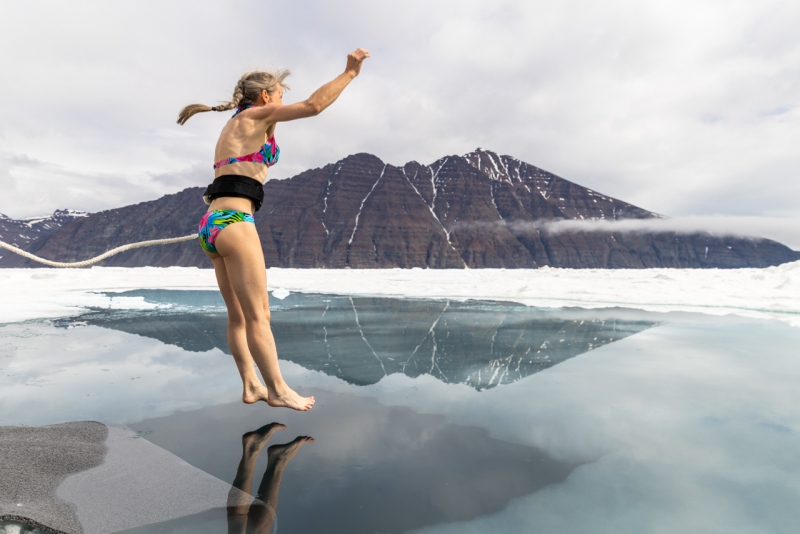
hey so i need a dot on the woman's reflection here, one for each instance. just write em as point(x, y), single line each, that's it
point(260, 515)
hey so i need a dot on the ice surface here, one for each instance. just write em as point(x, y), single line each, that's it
point(773, 292)
point(138, 484)
point(12, 527)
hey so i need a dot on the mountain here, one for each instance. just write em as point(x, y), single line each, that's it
point(21, 232)
point(478, 210)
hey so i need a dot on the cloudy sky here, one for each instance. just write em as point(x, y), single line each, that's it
point(687, 108)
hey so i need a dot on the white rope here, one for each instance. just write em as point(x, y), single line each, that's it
point(101, 257)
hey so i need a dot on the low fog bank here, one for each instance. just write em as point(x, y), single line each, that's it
point(782, 229)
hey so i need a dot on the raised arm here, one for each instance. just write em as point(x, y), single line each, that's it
point(319, 100)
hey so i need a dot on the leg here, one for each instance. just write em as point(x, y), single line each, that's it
point(239, 496)
point(263, 516)
point(240, 248)
point(252, 388)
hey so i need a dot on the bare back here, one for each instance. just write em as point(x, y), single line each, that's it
point(242, 135)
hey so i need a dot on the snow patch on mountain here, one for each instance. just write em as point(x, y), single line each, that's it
point(21, 232)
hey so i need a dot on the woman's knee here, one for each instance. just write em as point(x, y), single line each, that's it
point(258, 318)
point(236, 320)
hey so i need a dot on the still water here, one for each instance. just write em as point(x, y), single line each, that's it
point(438, 416)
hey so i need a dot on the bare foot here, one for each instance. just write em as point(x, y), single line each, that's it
point(288, 398)
point(253, 393)
point(254, 441)
point(283, 453)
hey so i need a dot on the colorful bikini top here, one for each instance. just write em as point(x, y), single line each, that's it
point(268, 154)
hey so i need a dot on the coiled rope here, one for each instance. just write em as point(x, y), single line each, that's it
point(101, 257)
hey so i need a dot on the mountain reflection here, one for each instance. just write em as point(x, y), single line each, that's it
point(361, 340)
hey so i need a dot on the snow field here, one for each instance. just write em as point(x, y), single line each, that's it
point(771, 293)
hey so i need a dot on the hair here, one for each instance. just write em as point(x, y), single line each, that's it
point(247, 91)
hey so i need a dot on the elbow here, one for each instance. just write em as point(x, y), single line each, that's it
point(314, 108)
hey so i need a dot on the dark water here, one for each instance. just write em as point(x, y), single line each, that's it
point(396, 469)
point(441, 416)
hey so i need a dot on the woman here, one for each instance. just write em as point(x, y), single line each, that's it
point(233, 196)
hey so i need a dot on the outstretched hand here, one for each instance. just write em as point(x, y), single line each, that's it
point(354, 61)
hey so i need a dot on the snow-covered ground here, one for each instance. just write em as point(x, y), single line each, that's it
point(766, 293)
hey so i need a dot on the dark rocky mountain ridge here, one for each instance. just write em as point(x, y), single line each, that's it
point(480, 210)
point(21, 232)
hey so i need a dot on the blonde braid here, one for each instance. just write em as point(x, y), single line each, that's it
point(247, 90)
point(238, 94)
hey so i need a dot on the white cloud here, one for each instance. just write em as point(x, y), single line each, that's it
point(783, 229)
point(720, 225)
point(686, 108)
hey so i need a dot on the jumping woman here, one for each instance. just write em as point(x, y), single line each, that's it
point(245, 150)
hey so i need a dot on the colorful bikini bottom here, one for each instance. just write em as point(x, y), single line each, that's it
point(214, 221)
